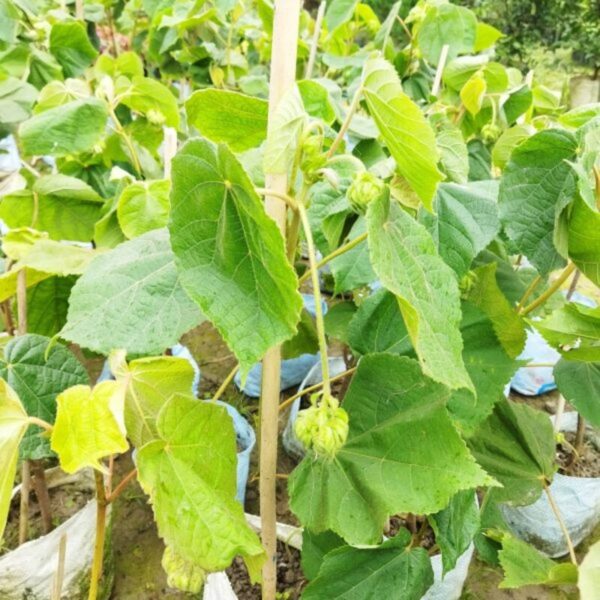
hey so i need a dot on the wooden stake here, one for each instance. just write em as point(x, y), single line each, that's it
point(315, 40)
point(24, 506)
point(60, 570)
point(170, 149)
point(41, 492)
point(283, 74)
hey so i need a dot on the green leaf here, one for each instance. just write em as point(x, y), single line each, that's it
point(455, 526)
point(57, 93)
point(391, 570)
point(405, 259)
point(87, 426)
point(316, 100)
point(59, 208)
point(536, 185)
point(230, 254)
point(484, 293)
point(378, 326)
point(403, 126)
point(287, 124)
point(149, 383)
point(447, 24)
point(402, 455)
point(16, 99)
point(224, 116)
point(507, 142)
point(337, 320)
point(339, 12)
point(486, 37)
point(353, 269)
point(473, 93)
point(143, 206)
point(305, 341)
point(315, 546)
point(574, 330)
point(589, 573)
point(516, 446)
point(464, 223)
point(56, 258)
point(151, 99)
point(9, 24)
point(489, 367)
point(190, 475)
point(70, 45)
point(584, 238)
point(38, 376)
point(47, 305)
point(524, 565)
point(8, 281)
point(579, 383)
point(131, 298)
point(68, 129)
point(454, 154)
point(13, 424)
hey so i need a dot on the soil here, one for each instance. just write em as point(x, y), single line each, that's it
point(290, 579)
point(65, 501)
point(585, 463)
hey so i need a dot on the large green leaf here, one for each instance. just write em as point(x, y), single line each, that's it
point(536, 185)
point(378, 326)
point(190, 475)
point(131, 298)
point(149, 383)
point(315, 546)
point(70, 45)
point(455, 526)
point(151, 99)
point(9, 23)
point(489, 367)
point(524, 565)
point(87, 426)
point(450, 25)
point(574, 330)
point(589, 574)
point(69, 129)
point(56, 258)
point(404, 256)
point(47, 305)
point(13, 424)
point(403, 126)
point(484, 293)
point(464, 223)
point(579, 383)
point(38, 379)
point(584, 238)
point(392, 570)
point(353, 269)
point(516, 446)
point(402, 455)
point(229, 253)
point(339, 12)
point(224, 116)
point(16, 99)
point(143, 206)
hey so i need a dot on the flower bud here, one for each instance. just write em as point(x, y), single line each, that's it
point(490, 133)
point(365, 188)
point(155, 117)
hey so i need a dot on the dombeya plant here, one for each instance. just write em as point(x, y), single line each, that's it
point(441, 199)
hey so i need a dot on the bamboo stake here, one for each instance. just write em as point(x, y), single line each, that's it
point(24, 505)
point(97, 564)
point(60, 570)
point(315, 40)
point(437, 82)
point(283, 74)
point(170, 149)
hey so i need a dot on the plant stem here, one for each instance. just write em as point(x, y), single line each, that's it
point(128, 142)
point(290, 202)
point(561, 523)
point(315, 40)
point(7, 317)
point(22, 302)
point(293, 232)
point(580, 435)
point(40, 423)
point(101, 505)
point(121, 486)
point(528, 292)
point(41, 492)
point(225, 383)
point(24, 504)
point(313, 388)
point(551, 289)
point(286, 21)
point(346, 124)
point(341, 250)
point(573, 285)
point(314, 273)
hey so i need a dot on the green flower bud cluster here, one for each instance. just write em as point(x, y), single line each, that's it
point(323, 427)
point(466, 283)
point(182, 574)
point(365, 188)
point(313, 157)
point(490, 133)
